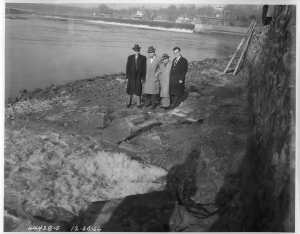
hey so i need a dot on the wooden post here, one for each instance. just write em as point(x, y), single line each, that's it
point(237, 49)
point(233, 56)
point(245, 49)
point(250, 26)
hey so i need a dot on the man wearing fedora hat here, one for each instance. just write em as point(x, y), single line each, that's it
point(151, 86)
point(135, 74)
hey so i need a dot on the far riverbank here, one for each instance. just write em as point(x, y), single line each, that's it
point(138, 23)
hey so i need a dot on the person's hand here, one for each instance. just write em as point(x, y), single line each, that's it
point(180, 81)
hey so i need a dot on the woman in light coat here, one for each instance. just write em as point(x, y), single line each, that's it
point(163, 75)
point(151, 85)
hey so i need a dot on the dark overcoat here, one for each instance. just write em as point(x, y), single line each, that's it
point(178, 73)
point(135, 74)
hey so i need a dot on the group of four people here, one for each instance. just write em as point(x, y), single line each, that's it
point(155, 80)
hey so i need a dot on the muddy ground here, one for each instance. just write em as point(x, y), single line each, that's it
point(75, 155)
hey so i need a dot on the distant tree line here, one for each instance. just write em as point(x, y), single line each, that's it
point(236, 15)
point(50, 9)
point(242, 15)
point(170, 13)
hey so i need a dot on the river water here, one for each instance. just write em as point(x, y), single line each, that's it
point(40, 52)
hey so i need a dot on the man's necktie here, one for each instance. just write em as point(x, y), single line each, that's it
point(176, 61)
point(136, 66)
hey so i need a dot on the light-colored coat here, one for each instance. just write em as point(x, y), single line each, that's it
point(164, 78)
point(151, 85)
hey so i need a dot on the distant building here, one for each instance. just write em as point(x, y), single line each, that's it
point(218, 7)
point(182, 19)
point(104, 11)
point(105, 15)
point(160, 18)
point(138, 15)
point(179, 20)
point(202, 20)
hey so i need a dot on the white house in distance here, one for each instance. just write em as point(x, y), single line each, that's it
point(218, 7)
point(139, 15)
point(182, 19)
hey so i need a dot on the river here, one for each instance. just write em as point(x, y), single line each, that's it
point(40, 52)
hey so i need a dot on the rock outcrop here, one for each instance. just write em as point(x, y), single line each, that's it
point(63, 160)
point(265, 198)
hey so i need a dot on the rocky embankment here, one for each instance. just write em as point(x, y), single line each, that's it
point(75, 155)
point(266, 201)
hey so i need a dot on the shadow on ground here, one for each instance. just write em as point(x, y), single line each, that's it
point(153, 211)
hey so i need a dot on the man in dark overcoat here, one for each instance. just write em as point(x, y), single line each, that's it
point(177, 78)
point(135, 75)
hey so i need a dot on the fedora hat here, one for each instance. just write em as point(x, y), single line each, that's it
point(151, 49)
point(136, 47)
point(165, 56)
